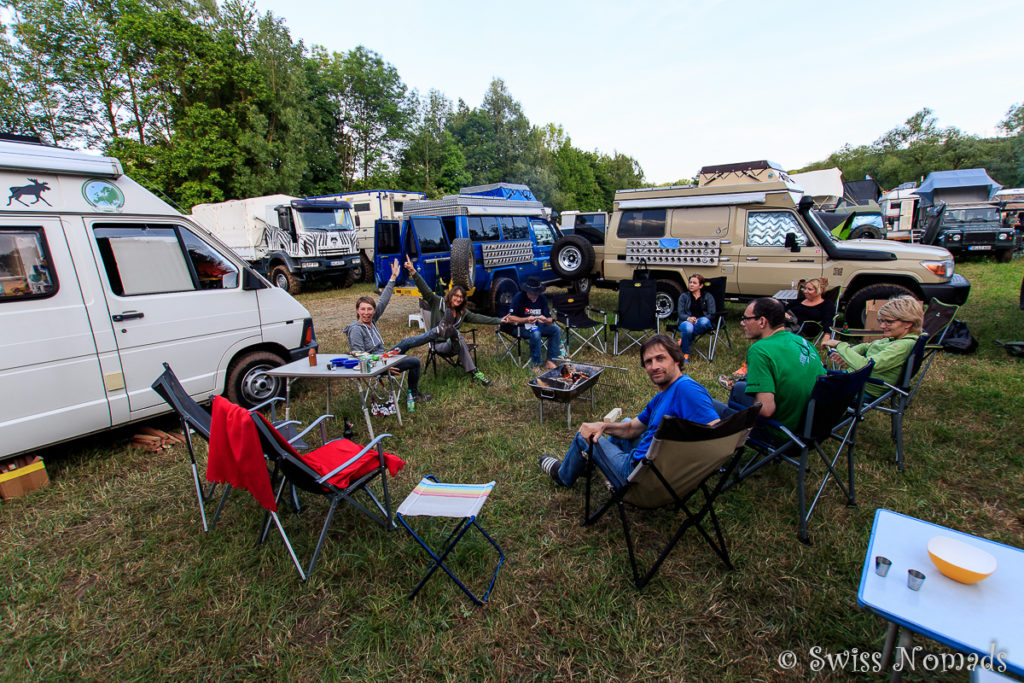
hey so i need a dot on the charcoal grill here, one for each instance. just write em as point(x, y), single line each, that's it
point(564, 384)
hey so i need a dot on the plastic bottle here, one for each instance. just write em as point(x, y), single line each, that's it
point(410, 402)
point(312, 358)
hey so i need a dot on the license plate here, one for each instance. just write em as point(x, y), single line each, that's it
point(337, 263)
point(980, 247)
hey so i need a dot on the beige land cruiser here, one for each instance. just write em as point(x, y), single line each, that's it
point(751, 223)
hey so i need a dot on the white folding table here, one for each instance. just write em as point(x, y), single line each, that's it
point(364, 380)
point(982, 618)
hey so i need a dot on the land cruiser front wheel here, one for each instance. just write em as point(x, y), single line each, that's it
point(856, 306)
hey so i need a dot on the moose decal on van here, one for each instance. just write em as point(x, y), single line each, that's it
point(34, 188)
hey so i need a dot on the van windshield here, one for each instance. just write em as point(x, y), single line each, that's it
point(333, 219)
point(972, 215)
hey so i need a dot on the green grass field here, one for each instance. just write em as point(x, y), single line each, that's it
point(106, 574)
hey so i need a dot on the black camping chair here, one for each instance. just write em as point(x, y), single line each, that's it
point(195, 417)
point(684, 459)
point(825, 419)
point(508, 344)
point(938, 317)
point(303, 472)
point(572, 311)
point(716, 289)
point(636, 313)
point(451, 358)
point(897, 397)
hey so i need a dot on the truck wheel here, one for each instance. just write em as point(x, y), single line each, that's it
point(349, 277)
point(503, 290)
point(866, 232)
point(367, 267)
point(283, 278)
point(581, 286)
point(572, 257)
point(248, 384)
point(1004, 256)
point(463, 264)
point(857, 303)
point(666, 298)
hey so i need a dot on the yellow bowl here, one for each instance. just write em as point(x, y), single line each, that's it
point(960, 561)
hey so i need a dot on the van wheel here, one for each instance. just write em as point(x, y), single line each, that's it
point(581, 286)
point(248, 384)
point(666, 298)
point(503, 290)
point(463, 263)
point(856, 306)
point(572, 257)
point(283, 278)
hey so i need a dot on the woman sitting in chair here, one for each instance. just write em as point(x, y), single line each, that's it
point(814, 309)
point(901, 319)
point(695, 308)
point(364, 337)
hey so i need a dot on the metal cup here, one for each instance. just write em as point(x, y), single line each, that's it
point(914, 579)
point(882, 565)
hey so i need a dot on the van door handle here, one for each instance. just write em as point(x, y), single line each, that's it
point(127, 315)
point(751, 258)
point(801, 260)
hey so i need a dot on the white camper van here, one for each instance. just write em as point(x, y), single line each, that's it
point(101, 283)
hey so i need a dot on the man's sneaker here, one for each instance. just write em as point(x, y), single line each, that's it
point(536, 369)
point(480, 377)
point(422, 398)
point(550, 466)
point(726, 381)
point(741, 371)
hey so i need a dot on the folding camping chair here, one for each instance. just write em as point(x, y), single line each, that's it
point(337, 470)
point(507, 344)
point(572, 311)
point(196, 418)
point(432, 498)
point(636, 312)
point(897, 397)
point(824, 419)
point(684, 458)
point(451, 358)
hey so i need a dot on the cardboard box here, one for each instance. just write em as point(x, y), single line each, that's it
point(28, 475)
point(871, 319)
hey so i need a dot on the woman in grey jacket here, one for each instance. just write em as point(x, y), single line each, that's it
point(364, 337)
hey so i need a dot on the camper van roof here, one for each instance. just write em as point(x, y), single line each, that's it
point(33, 157)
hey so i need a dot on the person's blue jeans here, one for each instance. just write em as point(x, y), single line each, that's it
point(536, 337)
point(611, 451)
point(688, 330)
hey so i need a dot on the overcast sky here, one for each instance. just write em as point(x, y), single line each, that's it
point(678, 85)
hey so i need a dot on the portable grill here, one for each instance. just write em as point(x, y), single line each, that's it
point(563, 384)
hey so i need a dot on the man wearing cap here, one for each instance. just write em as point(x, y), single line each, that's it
point(531, 316)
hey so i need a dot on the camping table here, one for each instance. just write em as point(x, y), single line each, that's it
point(786, 294)
point(301, 368)
point(983, 618)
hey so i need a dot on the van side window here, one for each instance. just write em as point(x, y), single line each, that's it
point(515, 227)
point(450, 227)
point(25, 271)
point(430, 234)
point(362, 207)
point(769, 228)
point(211, 268)
point(543, 232)
point(642, 223)
point(483, 229)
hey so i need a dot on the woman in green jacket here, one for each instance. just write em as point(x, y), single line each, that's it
point(901, 320)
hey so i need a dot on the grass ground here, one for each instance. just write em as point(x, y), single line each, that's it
point(106, 574)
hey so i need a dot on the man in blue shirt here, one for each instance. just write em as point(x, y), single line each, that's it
point(620, 445)
point(532, 319)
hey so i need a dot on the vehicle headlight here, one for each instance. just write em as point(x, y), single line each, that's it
point(1003, 236)
point(954, 236)
point(940, 268)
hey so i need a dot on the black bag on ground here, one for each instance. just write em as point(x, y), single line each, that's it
point(959, 339)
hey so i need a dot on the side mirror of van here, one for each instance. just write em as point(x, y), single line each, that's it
point(791, 242)
point(251, 281)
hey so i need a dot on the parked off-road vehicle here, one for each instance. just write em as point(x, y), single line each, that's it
point(750, 223)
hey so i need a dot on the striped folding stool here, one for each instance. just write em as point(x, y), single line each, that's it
point(432, 498)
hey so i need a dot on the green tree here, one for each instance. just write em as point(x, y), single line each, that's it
point(432, 161)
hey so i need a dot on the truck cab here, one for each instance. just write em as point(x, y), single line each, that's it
point(976, 228)
point(488, 239)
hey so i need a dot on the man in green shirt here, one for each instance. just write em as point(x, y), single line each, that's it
point(781, 366)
